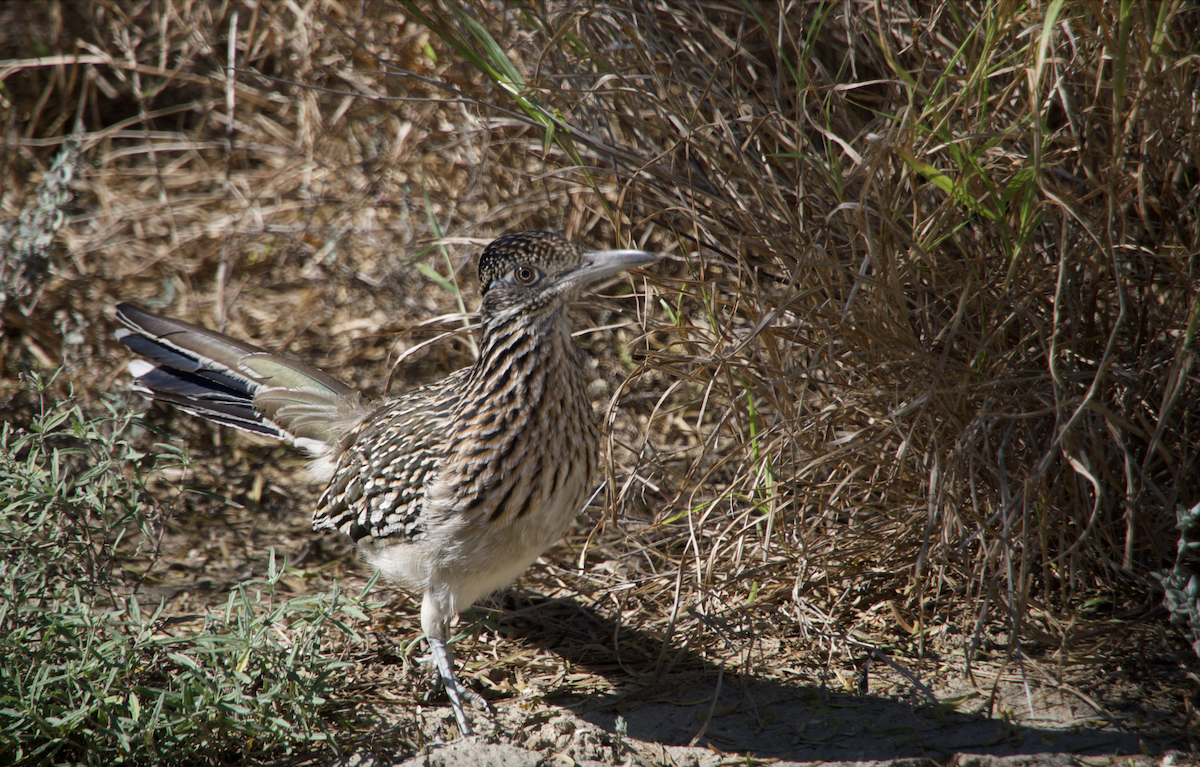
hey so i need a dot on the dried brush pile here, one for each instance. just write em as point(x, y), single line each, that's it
point(919, 363)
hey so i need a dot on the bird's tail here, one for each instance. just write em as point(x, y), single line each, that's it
point(234, 383)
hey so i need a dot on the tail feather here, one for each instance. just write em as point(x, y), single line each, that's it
point(187, 375)
point(174, 389)
point(231, 382)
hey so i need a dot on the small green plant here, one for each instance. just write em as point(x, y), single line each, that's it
point(88, 675)
point(1181, 585)
point(25, 241)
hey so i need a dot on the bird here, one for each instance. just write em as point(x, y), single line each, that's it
point(452, 489)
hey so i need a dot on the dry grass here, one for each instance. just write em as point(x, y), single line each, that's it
point(918, 366)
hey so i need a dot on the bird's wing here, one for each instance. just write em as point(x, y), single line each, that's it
point(379, 483)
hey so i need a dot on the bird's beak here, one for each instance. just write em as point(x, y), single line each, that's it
point(605, 263)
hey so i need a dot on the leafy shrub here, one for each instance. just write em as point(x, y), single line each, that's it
point(88, 675)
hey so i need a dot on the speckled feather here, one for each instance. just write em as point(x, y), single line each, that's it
point(378, 486)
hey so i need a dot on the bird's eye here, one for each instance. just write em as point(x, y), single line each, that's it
point(525, 275)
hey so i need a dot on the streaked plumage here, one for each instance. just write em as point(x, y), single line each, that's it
point(455, 488)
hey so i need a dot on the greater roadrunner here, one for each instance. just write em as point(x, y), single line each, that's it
point(452, 489)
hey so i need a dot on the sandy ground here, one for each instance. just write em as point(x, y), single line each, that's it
point(909, 713)
point(741, 721)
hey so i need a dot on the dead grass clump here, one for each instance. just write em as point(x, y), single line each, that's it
point(919, 363)
point(925, 357)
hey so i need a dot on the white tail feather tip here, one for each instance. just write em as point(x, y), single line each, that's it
point(139, 368)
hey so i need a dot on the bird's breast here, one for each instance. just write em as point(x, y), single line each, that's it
point(525, 448)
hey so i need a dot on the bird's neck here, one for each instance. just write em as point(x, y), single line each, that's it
point(521, 357)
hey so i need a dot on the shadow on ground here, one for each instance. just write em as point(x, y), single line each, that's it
point(697, 706)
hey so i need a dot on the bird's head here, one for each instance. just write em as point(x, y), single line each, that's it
point(536, 275)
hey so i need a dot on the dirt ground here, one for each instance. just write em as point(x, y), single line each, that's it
point(707, 717)
point(746, 721)
point(737, 720)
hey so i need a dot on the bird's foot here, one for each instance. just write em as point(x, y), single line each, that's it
point(475, 699)
point(468, 696)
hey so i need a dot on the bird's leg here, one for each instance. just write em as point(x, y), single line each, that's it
point(443, 661)
point(435, 620)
